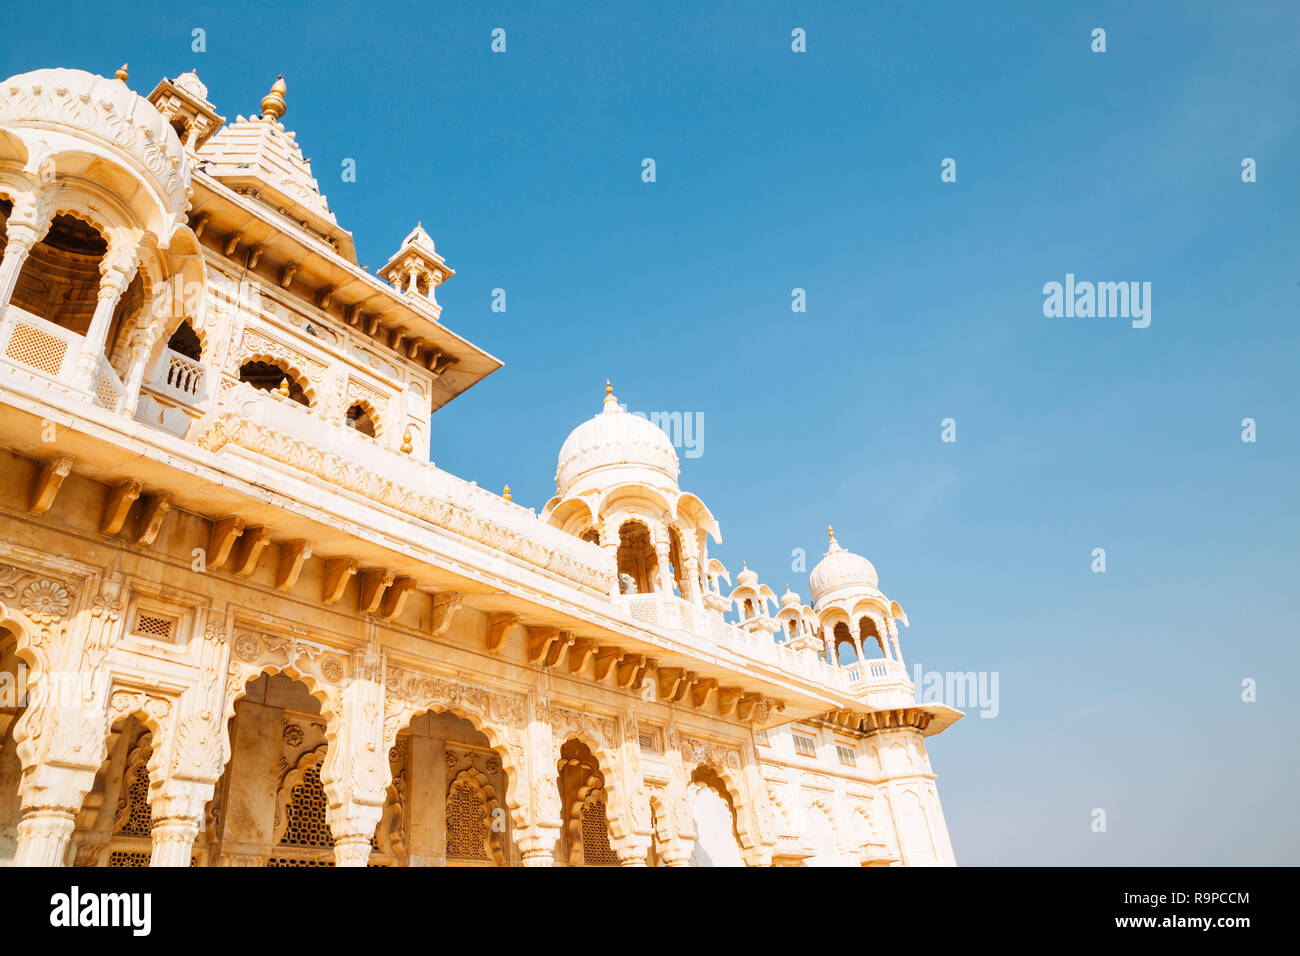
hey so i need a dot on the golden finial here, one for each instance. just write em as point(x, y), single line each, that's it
point(121, 73)
point(830, 531)
point(273, 104)
point(284, 387)
point(506, 494)
point(609, 389)
point(407, 447)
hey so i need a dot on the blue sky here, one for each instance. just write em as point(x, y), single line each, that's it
point(777, 170)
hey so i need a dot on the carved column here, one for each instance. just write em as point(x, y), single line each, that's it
point(21, 238)
point(193, 751)
point(51, 797)
point(142, 340)
point(665, 568)
point(537, 834)
point(356, 773)
point(678, 849)
point(633, 849)
point(117, 271)
point(61, 738)
point(177, 816)
point(693, 580)
point(893, 640)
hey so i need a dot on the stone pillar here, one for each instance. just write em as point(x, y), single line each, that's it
point(828, 641)
point(665, 569)
point(893, 639)
point(633, 849)
point(51, 797)
point(116, 275)
point(141, 347)
point(356, 773)
point(21, 238)
point(537, 844)
point(677, 851)
point(248, 816)
point(693, 580)
point(426, 829)
point(178, 809)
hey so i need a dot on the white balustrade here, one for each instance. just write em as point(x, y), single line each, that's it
point(180, 377)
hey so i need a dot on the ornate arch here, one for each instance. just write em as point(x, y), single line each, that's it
point(321, 669)
point(499, 716)
point(582, 824)
point(368, 406)
point(291, 369)
point(747, 804)
point(599, 735)
point(818, 802)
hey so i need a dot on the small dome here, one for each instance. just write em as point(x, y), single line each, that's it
point(790, 599)
point(746, 578)
point(616, 440)
point(841, 569)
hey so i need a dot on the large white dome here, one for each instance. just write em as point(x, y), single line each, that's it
point(841, 569)
point(616, 441)
point(106, 113)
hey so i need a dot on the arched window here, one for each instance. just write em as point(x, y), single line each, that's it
point(272, 378)
point(716, 840)
point(60, 279)
point(185, 341)
point(582, 792)
point(844, 636)
point(359, 418)
point(636, 556)
point(869, 633)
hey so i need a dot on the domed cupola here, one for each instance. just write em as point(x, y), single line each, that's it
point(71, 117)
point(840, 570)
point(790, 599)
point(615, 447)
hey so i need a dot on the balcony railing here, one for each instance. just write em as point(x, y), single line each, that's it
point(40, 346)
point(877, 669)
point(180, 377)
point(672, 613)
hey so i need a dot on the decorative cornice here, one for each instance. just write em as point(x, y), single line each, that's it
point(231, 428)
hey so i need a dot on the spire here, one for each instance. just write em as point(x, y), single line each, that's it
point(273, 104)
point(121, 73)
point(506, 494)
point(834, 545)
point(611, 400)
